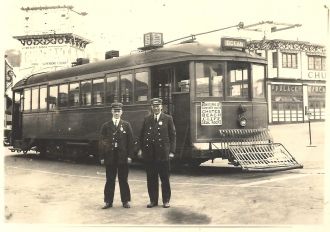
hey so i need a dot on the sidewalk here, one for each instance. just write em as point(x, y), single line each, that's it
point(295, 138)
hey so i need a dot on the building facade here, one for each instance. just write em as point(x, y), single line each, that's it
point(50, 41)
point(296, 83)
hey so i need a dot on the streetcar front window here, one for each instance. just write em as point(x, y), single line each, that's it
point(230, 80)
point(209, 79)
point(238, 80)
point(258, 76)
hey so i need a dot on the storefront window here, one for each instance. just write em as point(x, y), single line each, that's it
point(316, 102)
point(287, 103)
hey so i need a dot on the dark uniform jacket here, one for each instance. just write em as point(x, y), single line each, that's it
point(158, 139)
point(120, 136)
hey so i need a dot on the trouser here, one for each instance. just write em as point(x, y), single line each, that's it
point(109, 188)
point(161, 169)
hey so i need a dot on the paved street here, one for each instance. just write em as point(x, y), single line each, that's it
point(39, 190)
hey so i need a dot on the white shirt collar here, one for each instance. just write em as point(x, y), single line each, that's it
point(157, 115)
point(115, 120)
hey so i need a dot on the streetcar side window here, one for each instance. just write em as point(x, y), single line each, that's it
point(126, 88)
point(63, 96)
point(141, 86)
point(52, 98)
point(209, 79)
point(238, 80)
point(258, 75)
point(86, 93)
point(27, 99)
point(111, 88)
point(35, 98)
point(74, 94)
point(98, 91)
point(43, 97)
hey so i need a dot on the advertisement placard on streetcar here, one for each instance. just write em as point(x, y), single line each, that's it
point(211, 113)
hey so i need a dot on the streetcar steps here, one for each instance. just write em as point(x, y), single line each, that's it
point(263, 157)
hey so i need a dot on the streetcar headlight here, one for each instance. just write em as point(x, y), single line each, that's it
point(242, 121)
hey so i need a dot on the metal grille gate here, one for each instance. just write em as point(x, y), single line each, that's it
point(263, 157)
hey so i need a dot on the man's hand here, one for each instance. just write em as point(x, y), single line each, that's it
point(102, 161)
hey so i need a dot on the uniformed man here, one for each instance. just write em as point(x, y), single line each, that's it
point(116, 145)
point(158, 141)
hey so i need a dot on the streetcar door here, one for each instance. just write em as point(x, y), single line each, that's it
point(161, 83)
point(169, 80)
point(181, 118)
point(17, 116)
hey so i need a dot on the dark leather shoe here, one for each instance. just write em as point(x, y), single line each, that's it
point(126, 205)
point(151, 204)
point(166, 205)
point(107, 206)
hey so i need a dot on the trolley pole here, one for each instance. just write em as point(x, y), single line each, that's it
point(310, 131)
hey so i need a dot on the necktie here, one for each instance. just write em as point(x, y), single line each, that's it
point(116, 123)
point(155, 119)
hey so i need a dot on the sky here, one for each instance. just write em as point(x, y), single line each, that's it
point(120, 25)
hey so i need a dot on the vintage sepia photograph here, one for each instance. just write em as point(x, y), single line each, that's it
point(165, 115)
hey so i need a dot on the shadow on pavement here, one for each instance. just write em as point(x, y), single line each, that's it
point(184, 216)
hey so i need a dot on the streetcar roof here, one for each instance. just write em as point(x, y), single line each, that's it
point(168, 54)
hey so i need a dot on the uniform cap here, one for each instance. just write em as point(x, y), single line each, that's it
point(116, 106)
point(156, 101)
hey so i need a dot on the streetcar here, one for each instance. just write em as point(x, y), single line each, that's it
point(216, 95)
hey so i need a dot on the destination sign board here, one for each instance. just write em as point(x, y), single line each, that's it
point(233, 43)
point(153, 39)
